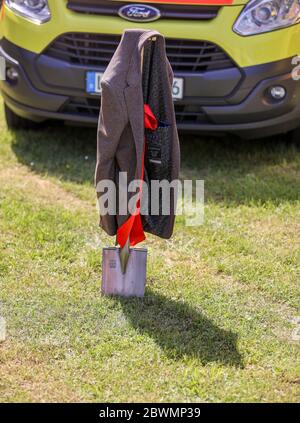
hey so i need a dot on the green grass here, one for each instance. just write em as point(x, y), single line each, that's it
point(218, 318)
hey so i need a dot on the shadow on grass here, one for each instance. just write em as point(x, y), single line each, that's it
point(181, 330)
point(235, 171)
point(68, 153)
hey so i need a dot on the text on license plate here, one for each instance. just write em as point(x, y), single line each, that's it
point(93, 85)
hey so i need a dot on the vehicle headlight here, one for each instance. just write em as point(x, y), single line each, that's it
point(267, 15)
point(34, 10)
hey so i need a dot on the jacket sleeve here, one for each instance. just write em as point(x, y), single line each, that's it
point(110, 127)
point(112, 122)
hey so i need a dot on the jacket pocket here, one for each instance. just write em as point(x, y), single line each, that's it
point(158, 152)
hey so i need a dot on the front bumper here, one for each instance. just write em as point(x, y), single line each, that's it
point(230, 101)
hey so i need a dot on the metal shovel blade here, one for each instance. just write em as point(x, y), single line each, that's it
point(132, 282)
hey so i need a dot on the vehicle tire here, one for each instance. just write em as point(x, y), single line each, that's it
point(14, 121)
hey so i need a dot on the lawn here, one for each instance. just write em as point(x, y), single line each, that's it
point(219, 319)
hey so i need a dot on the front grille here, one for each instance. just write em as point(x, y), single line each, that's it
point(90, 107)
point(97, 50)
point(168, 11)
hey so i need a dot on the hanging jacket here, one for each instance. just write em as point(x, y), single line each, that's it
point(137, 131)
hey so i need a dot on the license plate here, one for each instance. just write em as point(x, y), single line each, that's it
point(178, 88)
point(93, 82)
point(93, 85)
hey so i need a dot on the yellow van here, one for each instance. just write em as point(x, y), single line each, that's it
point(235, 61)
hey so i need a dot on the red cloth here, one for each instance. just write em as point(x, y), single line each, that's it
point(132, 229)
point(2, 12)
point(204, 2)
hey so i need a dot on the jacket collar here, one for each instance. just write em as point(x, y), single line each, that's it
point(137, 39)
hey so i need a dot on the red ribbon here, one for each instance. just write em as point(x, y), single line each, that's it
point(132, 229)
point(189, 2)
point(2, 11)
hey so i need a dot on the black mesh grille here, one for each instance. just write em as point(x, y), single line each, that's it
point(97, 50)
point(168, 11)
point(84, 106)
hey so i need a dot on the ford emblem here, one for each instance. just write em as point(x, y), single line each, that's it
point(139, 13)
